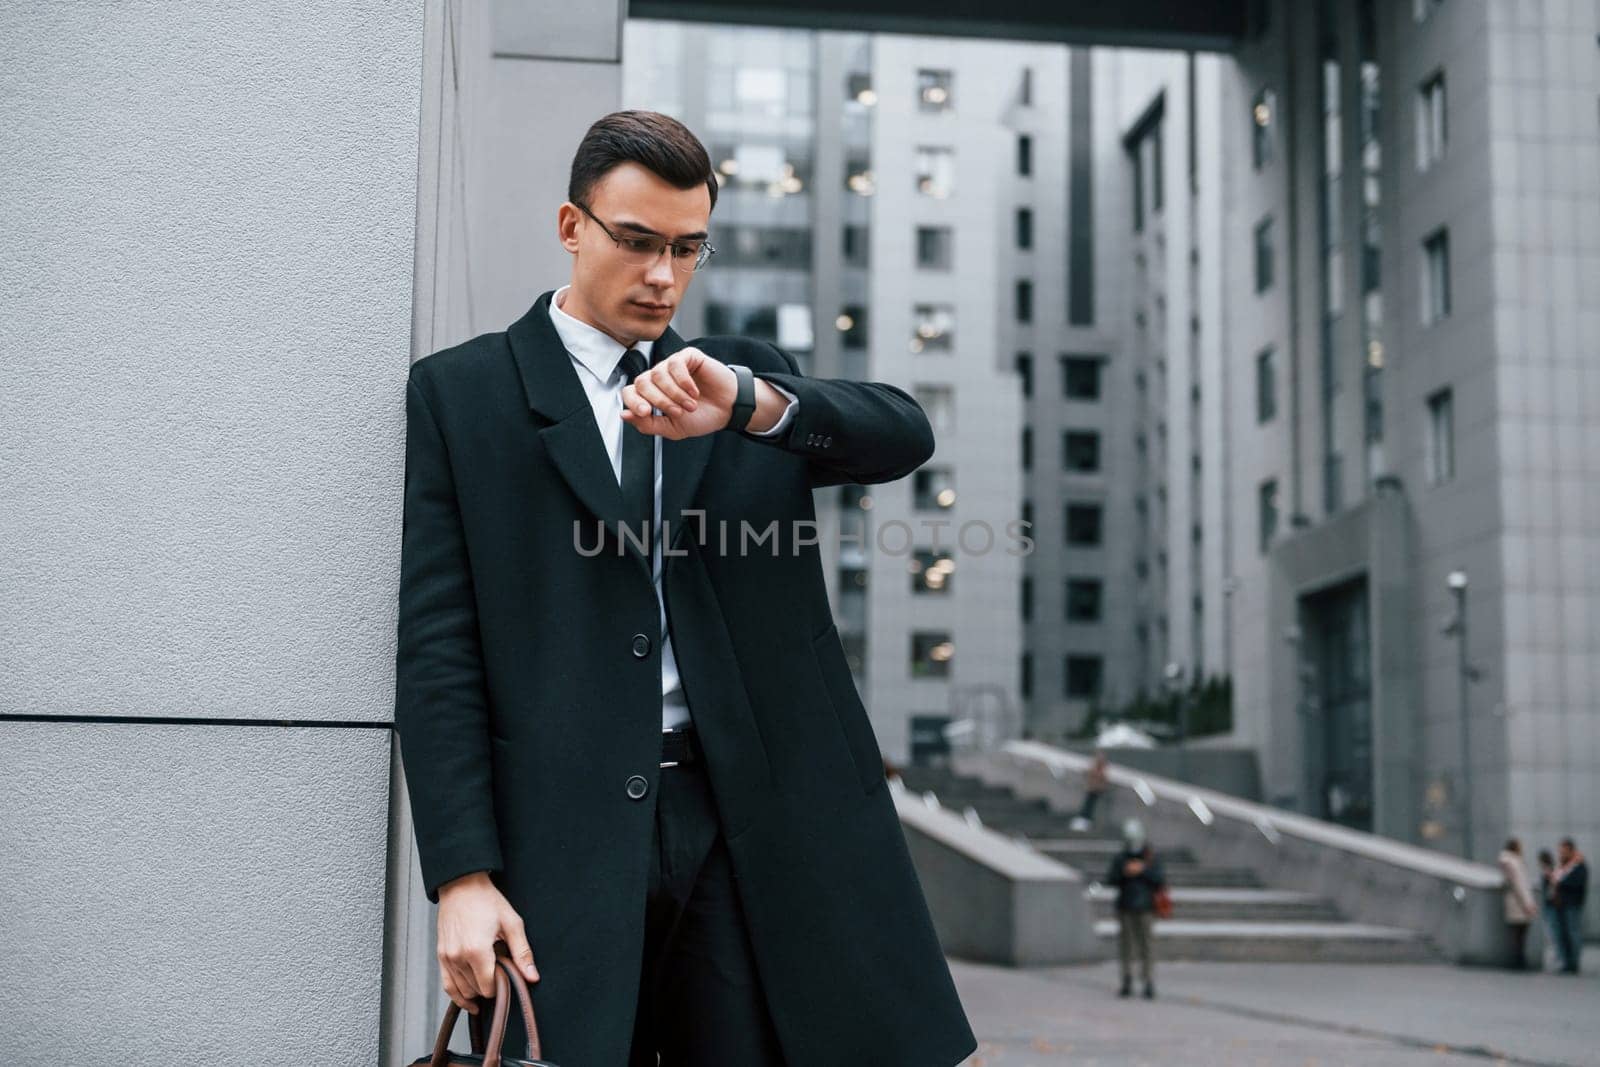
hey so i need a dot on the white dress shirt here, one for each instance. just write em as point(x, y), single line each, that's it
point(597, 357)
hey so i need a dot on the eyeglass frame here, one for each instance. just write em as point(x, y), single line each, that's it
point(707, 250)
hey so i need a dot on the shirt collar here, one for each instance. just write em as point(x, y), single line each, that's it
point(594, 349)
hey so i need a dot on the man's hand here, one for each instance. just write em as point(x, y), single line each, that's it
point(1134, 868)
point(695, 393)
point(473, 915)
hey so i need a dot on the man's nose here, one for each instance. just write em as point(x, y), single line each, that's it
point(660, 272)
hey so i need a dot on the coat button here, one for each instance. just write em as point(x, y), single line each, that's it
point(638, 787)
point(828, 440)
point(641, 646)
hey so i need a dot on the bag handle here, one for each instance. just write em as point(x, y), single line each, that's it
point(504, 966)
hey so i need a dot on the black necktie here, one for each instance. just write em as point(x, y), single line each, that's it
point(638, 466)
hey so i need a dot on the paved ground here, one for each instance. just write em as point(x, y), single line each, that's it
point(1282, 1013)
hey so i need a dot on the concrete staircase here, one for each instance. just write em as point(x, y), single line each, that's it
point(1219, 912)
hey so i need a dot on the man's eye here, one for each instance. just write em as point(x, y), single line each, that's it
point(638, 244)
point(685, 251)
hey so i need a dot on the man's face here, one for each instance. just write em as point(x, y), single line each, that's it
point(630, 301)
point(1564, 852)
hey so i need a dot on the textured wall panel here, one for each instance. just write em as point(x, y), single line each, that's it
point(212, 894)
point(209, 215)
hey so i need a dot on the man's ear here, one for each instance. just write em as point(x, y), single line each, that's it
point(567, 226)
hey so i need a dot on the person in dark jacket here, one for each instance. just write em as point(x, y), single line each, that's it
point(1137, 875)
point(1571, 885)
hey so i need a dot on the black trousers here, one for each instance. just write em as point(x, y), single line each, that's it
point(700, 1002)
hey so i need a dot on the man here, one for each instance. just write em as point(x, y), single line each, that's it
point(1571, 886)
point(634, 750)
point(1137, 875)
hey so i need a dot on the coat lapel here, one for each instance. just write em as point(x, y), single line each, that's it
point(572, 439)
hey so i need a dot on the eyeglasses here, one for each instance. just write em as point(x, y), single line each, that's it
point(641, 248)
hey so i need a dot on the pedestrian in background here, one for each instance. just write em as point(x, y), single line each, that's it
point(1571, 881)
point(1137, 875)
point(1520, 907)
point(1096, 780)
point(1547, 910)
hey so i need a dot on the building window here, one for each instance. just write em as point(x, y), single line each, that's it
point(1024, 227)
point(1082, 677)
point(1262, 113)
point(1027, 516)
point(1080, 451)
point(932, 653)
point(1027, 675)
point(938, 402)
point(1421, 10)
point(1027, 448)
point(1024, 365)
point(1083, 599)
point(1267, 512)
point(1436, 277)
point(1264, 255)
point(935, 171)
point(855, 246)
point(933, 90)
point(933, 489)
point(934, 324)
point(1025, 90)
point(1441, 445)
point(1431, 122)
point(932, 572)
point(1024, 300)
point(1266, 385)
point(934, 247)
point(852, 326)
point(1025, 598)
point(1024, 154)
point(1080, 377)
point(1083, 525)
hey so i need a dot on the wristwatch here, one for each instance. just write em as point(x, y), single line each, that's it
point(744, 401)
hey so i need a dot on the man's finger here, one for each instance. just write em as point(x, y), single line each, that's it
point(680, 374)
point(517, 943)
point(483, 966)
point(654, 395)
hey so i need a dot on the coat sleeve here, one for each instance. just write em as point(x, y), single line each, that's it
point(861, 432)
point(441, 705)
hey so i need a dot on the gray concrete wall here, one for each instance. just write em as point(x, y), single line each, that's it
point(208, 305)
point(1235, 771)
point(993, 900)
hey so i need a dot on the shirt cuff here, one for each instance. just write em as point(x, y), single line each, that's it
point(783, 420)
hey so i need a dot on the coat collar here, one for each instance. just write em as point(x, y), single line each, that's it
point(572, 439)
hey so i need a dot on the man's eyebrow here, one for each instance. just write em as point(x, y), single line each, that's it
point(698, 235)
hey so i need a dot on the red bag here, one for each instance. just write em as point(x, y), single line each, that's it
point(1163, 903)
point(487, 1053)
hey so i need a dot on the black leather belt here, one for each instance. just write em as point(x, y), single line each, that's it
point(681, 745)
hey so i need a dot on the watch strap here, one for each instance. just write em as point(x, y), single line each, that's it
point(744, 401)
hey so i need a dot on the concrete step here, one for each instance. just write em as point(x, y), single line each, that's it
point(1181, 871)
point(1208, 876)
point(1280, 905)
point(1095, 853)
point(1266, 942)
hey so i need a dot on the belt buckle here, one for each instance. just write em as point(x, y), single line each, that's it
point(671, 763)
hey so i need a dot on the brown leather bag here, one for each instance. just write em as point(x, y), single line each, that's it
point(487, 1053)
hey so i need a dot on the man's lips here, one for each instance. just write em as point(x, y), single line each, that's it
point(654, 309)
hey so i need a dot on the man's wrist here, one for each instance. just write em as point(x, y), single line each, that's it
point(460, 881)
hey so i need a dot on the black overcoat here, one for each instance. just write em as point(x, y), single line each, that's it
point(529, 693)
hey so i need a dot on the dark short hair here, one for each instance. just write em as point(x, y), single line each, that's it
point(1570, 843)
point(1513, 845)
point(1545, 858)
point(659, 143)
